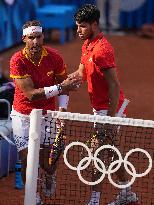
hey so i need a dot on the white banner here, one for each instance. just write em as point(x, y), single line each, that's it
point(131, 5)
point(9, 2)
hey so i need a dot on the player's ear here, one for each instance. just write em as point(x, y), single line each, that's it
point(94, 25)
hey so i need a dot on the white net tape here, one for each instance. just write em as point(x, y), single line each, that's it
point(102, 119)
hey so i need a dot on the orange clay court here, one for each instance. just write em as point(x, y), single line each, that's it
point(134, 58)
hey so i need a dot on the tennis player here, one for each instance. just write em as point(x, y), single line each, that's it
point(39, 74)
point(98, 68)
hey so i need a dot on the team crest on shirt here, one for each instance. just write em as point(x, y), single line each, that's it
point(50, 73)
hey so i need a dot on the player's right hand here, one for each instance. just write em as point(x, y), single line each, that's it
point(74, 75)
point(71, 84)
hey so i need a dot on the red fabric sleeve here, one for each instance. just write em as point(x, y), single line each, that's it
point(17, 68)
point(60, 67)
point(105, 58)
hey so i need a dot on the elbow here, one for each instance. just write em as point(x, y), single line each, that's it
point(33, 97)
point(30, 96)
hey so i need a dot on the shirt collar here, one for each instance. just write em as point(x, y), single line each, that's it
point(44, 53)
point(91, 43)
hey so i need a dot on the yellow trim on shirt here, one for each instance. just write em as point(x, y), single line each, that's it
point(20, 77)
point(44, 53)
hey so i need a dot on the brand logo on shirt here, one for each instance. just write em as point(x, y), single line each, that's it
point(90, 59)
point(50, 73)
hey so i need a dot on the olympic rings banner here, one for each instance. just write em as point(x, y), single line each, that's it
point(110, 169)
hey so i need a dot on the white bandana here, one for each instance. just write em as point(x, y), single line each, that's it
point(32, 29)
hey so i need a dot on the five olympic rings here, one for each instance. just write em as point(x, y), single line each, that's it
point(110, 170)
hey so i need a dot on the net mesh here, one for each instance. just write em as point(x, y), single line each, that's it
point(63, 183)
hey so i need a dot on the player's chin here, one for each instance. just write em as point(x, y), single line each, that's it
point(82, 37)
point(36, 49)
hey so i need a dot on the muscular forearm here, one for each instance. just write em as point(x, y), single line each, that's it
point(80, 72)
point(46, 92)
point(43, 93)
point(51, 91)
point(36, 94)
point(27, 87)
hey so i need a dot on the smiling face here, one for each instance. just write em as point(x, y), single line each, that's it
point(34, 42)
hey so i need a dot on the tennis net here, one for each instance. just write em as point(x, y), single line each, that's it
point(62, 178)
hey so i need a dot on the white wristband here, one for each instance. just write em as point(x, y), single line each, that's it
point(51, 91)
point(63, 101)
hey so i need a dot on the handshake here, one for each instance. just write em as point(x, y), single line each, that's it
point(72, 83)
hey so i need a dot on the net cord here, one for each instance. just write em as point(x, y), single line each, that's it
point(101, 119)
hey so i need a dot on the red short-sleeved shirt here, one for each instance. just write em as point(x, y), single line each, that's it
point(95, 56)
point(42, 75)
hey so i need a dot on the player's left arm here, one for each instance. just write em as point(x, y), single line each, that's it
point(114, 90)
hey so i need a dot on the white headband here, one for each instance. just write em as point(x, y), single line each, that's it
point(31, 30)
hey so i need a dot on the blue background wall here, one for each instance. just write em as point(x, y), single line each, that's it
point(12, 17)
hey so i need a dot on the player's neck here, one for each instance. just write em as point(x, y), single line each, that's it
point(34, 56)
point(95, 34)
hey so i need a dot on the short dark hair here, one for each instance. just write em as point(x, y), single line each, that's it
point(31, 23)
point(87, 13)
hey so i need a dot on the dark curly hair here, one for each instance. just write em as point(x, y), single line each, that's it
point(87, 13)
point(31, 23)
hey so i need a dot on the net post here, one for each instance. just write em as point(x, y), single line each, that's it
point(33, 157)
